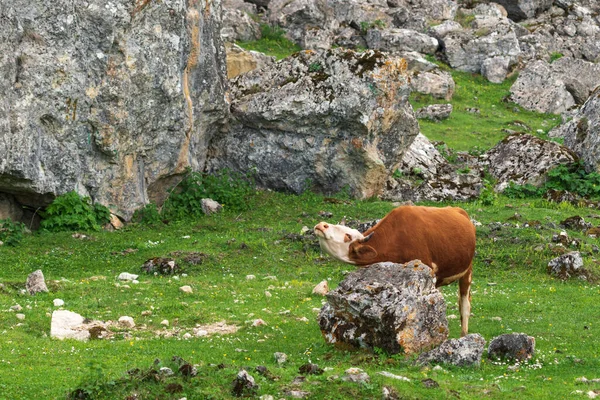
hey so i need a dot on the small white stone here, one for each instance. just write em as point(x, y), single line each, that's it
point(126, 276)
point(268, 294)
point(20, 316)
point(126, 322)
point(59, 302)
point(166, 371)
point(200, 332)
point(259, 322)
point(250, 277)
point(164, 322)
point(16, 307)
point(186, 289)
point(187, 336)
point(322, 288)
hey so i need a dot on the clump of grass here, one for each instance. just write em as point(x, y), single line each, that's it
point(272, 42)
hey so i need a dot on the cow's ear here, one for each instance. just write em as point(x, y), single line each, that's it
point(365, 252)
point(347, 238)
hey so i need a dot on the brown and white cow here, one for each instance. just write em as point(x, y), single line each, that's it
point(443, 238)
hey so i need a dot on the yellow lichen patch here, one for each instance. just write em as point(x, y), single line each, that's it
point(92, 92)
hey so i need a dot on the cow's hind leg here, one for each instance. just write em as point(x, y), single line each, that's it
point(464, 300)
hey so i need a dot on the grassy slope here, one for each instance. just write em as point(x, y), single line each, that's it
point(524, 297)
point(465, 130)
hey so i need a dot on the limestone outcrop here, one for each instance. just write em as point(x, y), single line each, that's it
point(322, 120)
point(113, 100)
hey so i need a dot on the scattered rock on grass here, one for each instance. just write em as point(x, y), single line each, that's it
point(161, 265)
point(244, 385)
point(512, 346)
point(322, 288)
point(126, 322)
point(35, 283)
point(356, 375)
point(281, 358)
point(58, 302)
point(310, 369)
point(209, 206)
point(126, 276)
point(465, 351)
point(186, 289)
point(567, 265)
point(70, 325)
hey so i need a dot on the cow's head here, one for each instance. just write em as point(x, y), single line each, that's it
point(343, 243)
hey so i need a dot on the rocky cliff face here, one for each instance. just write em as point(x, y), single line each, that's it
point(112, 99)
point(325, 121)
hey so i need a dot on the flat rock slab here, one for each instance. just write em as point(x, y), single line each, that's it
point(465, 351)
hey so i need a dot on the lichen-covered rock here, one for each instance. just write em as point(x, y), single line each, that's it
point(567, 265)
point(524, 9)
point(582, 133)
point(240, 61)
point(397, 40)
point(424, 174)
point(512, 346)
point(525, 159)
point(495, 69)
point(468, 49)
point(328, 120)
point(238, 23)
point(462, 352)
point(36, 283)
point(437, 83)
point(556, 87)
point(434, 112)
point(70, 325)
point(395, 307)
point(112, 99)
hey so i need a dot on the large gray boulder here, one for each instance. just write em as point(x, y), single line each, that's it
point(331, 120)
point(582, 132)
point(395, 307)
point(238, 23)
point(512, 346)
point(488, 38)
point(556, 87)
point(525, 159)
point(524, 9)
point(113, 100)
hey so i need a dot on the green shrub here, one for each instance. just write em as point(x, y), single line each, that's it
point(148, 215)
point(232, 190)
point(11, 233)
point(514, 191)
point(72, 212)
point(572, 178)
point(555, 56)
point(488, 196)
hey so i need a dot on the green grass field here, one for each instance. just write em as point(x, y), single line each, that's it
point(511, 293)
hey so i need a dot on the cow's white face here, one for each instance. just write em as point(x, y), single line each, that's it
point(335, 240)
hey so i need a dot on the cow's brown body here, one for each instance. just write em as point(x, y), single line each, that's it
point(443, 238)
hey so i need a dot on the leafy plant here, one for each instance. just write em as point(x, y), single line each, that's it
point(488, 195)
point(315, 67)
point(555, 56)
point(148, 215)
point(232, 190)
point(11, 233)
point(71, 212)
point(572, 178)
point(366, 25)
